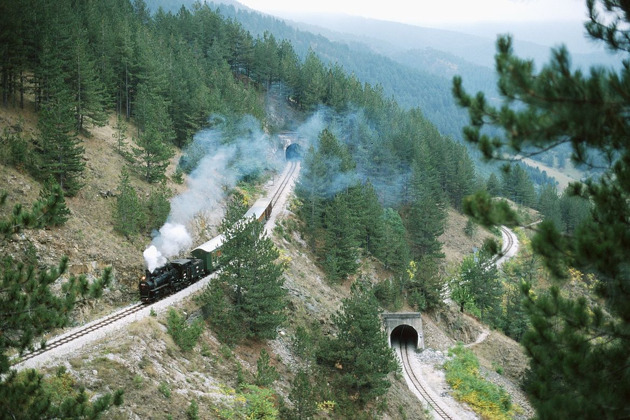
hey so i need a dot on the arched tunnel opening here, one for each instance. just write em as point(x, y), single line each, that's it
point(405, 335)
point(293, 152)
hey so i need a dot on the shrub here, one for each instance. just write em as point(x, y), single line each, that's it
point(185, 336)
point(265, 374)
point(252, 403)
point(164, 389)
point(462, 373)
point(193, 411)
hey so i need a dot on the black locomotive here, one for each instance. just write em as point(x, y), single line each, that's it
point(170, 278)
point(178, 274)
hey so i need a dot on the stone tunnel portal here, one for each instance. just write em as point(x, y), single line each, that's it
point(404, 334)
point(405, 326)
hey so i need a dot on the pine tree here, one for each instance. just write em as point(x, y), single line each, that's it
point(157, 207)
point(28, 309)
point(153, 141)
point(218, 312)
point(493, 186)
point(120, 133)
point(49, 210)
point(340, 250)
point(312, 192)
point(580, 364)
point(395, 250)
point(312, 82)
point(266, 374)
point(327, 171)
point(549, 205)
point(368, 217)
point(302, 396)
point(54, 210)
point(61, 152)
point(574, 211)
point(129, 216)
point(479, 276)
point(359, 352)
point(425, 284)
point(254, 277)
point(266, 59)
point(87, 89)
point(427, 212)
point(515, 321)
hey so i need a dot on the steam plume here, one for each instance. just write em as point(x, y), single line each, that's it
point(217, 159)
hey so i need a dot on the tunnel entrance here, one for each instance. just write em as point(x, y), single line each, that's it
point(404, 334)
point(405, 326)
point(293, 152)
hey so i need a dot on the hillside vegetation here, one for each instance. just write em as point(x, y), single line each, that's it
point(108, 114)
point(92, 185)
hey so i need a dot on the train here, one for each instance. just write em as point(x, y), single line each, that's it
point(178, 274)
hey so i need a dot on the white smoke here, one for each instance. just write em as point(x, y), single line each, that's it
point(153, 258)
point(309, 131)
point(218, 167)
point(171, 239)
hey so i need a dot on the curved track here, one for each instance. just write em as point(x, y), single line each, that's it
point(417, 384)
point(125, 312)
point(510, 243)
point(506, 247)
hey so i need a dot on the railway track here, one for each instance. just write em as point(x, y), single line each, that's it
point(284, 183)
point(404, 356)
point(510, 242)
point(87, 329)
point(130, 310)
point(507, 245)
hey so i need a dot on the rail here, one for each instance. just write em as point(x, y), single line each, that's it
point(109, 319)
point(284, 183)
point(404, 356)
point(87, 329)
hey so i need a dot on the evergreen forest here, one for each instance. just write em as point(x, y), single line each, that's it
point(377, 183)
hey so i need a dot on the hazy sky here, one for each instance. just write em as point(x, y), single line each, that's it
point(434, 12)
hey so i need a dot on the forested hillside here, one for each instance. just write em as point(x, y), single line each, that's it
point(416, 72)
point(161, 76)
point(378, 181)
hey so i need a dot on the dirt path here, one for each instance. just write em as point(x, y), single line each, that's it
point(480, 338)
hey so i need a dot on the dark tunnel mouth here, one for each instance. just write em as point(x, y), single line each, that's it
point(404, 334)
point(293, 151)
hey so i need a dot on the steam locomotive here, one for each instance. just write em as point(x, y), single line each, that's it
point(178, 274)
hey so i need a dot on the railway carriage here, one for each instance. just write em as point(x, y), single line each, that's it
point(209, 253)
point(260, 210)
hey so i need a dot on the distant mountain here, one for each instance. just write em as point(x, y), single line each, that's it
point(477, 46)
point(174, 5)
point(414, 65)
point(422, 88)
